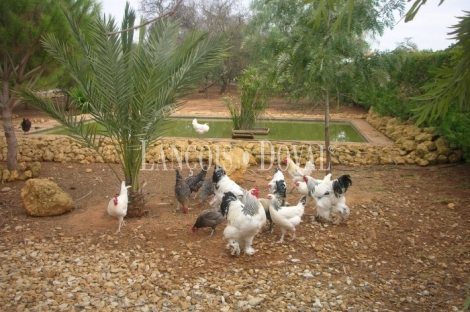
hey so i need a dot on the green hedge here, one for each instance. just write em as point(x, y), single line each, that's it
point(408, 73)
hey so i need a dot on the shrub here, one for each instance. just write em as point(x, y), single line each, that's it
point(78, 96)
point(253, 102)
point(455, 128)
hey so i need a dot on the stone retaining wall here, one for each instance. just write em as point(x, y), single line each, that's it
point(412, 146)
point(420, 146)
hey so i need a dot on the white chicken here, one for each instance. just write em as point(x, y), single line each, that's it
point(244, 221)
point(296, 172)
point(200, 128)
point(117, 207)
point(287, 218)
point(222, 184)
point(301, 187)
point(312, 182)
point(330, 199)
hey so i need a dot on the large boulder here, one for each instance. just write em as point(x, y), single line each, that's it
point(44, 198)
point(235, 163)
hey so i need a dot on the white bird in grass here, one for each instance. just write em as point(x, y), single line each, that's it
point(200, 128)
point(117, 207)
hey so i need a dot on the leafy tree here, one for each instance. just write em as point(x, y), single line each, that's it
point(131, 86)
point(452, 86)
point(224, 17)
point(22, 57)
point(317, 53)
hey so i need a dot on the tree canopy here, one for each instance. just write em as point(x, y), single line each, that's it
point(23, 23)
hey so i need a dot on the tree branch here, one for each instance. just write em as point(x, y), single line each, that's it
point(169, 13)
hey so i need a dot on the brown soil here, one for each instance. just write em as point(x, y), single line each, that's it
point(407, 224)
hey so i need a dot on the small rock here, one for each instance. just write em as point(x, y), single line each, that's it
point(89, 170)
point(6, 189)
point(255, 301)
point(307, 275)
point(317, 303)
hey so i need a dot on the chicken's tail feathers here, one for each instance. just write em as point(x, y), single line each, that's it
point(341, 185)
point(281, 188)
point(218, 173)
point(309, 167)
point(226, 200)
point(124, 187)
point(178, 175)
point(327, 177)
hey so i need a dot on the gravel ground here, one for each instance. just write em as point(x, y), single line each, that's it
point(405, 247)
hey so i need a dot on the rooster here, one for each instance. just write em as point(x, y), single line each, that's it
point(208, 218)
point(26, 125)
point(329, 197)
point(195, 181)
point(117, 207)
point(296, 172)
point(182, 192)
point(200, 128)
point(286, 217)
point(244, 220)
point(207, 189)
point(222, 184)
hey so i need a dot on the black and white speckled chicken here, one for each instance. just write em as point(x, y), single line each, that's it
point(208, 218)
point(330, 198)
point(207, 189)
point(182, 192)
point(244, 220)
point(223, 184)
point(195, 181)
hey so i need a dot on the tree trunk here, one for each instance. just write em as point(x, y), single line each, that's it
point(7, 104)
point(327, 132)
point(223, 89)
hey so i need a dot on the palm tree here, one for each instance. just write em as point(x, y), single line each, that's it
point(131, 86)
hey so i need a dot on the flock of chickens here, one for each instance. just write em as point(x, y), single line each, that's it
point(244, 212)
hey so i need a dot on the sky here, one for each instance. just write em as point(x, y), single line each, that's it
point(428, 29)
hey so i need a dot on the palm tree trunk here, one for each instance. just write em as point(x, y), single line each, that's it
point(136, 204)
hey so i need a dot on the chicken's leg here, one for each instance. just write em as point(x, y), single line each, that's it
point(248, 249)
point(282, 237)
point(293, 235)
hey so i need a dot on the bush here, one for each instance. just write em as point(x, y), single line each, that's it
point(455, 128)
point(253, 100)
point(407, 73)
point(78, 96)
